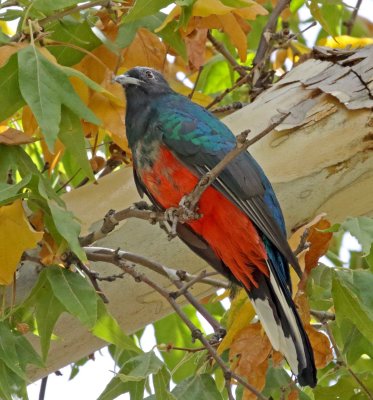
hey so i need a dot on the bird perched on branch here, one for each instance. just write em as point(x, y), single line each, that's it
point(241, 231)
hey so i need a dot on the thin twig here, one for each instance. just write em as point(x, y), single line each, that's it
point(190, 95)
point(43, 387)
point(350, 23)
point(175, 276)
point(73, 10)
point(237, 105)
point(227, 55)
point(303, 244)
point(93, 278)
point(323, 316)
point(221, 96)
point(106, 254)
point(196, 333)
point(269, 29)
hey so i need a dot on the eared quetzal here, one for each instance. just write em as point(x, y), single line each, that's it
point(241, 232)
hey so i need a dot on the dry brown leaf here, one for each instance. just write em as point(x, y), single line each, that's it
point(49, 251)
point(146, 50)
point(320, 343)
point(319, 242)
point(249, 354)
point(196, 44)
point(97, 163)
point(14, 137)
point(293, 395)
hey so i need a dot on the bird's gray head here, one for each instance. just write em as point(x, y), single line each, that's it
point(140, 80)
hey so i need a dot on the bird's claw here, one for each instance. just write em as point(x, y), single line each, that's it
point(180, 214)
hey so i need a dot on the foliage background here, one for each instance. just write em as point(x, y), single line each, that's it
point(63, 126)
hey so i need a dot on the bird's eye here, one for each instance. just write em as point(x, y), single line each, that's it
point(149, 74)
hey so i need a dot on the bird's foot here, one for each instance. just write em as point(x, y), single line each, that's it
point(181, 214)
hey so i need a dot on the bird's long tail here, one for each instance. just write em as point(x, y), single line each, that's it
point(279, 317)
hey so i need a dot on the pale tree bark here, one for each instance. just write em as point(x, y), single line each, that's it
point(319, 159)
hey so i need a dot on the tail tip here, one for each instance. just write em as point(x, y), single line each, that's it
point(307, 377)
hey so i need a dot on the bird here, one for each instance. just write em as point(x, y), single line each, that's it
point(241, 230)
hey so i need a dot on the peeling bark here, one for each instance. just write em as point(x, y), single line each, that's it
point(319, 159)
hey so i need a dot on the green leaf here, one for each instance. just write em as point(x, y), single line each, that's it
point(72, 136)
point(215, 76)
point(26, 353)
point(117, 387)
point(197, 387)
point(67, 227)
point(143, 8)
point(8, 350)
point(142, 365)
point(319, 288)
point(354, 344)
point(72, 32)
point(107, 328)
point(75, 293)
point(295, 5)
point(353, 299)
point(172, 330)
point(4, 39)
point(362, 229)
point(11, 99)
point(47, 311)
point(46, 87)
point(161, 382)
point(48, 6)
point(12, 386)
point(9, 192)
point(316, 13)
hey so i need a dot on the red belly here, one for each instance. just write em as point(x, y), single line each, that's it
point(224, 226)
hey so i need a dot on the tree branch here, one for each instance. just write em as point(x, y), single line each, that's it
point(350, 23)
point(196, 333)
point(227, 55)
point(106, 254)
point(269, 29)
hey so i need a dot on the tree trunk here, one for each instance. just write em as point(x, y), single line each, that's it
point(319, 160)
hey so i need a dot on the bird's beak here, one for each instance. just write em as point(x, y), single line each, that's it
point(126, 80)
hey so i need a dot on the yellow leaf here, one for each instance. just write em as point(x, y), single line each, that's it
point(340, 42)
point(236, 36)
point(16, 236)
point(6, 28)
point(29, 122)
point(239, 317)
